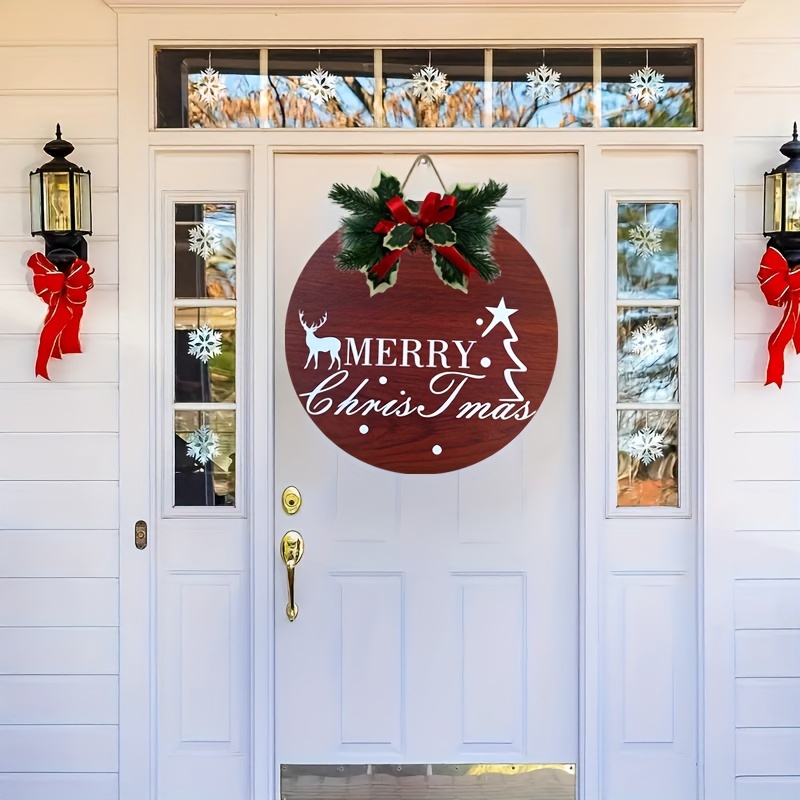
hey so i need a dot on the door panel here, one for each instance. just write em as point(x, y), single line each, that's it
point(438, 613)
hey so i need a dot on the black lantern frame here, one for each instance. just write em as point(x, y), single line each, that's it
point(61, 204)
point(782, 203)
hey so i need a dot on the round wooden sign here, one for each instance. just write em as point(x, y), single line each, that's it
point(422, 378)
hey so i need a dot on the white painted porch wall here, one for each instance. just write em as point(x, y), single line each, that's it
point(58, 441)
point(59, 453)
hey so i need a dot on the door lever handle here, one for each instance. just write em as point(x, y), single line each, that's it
point(292, 547)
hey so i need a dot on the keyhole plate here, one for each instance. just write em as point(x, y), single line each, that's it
point(291, 500)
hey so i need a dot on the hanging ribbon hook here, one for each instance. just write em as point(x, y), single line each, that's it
point(423, 160)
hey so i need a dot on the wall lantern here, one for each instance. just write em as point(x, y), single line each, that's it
point(782, 203)
point(61, 204)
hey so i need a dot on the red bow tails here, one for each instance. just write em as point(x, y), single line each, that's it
point(781, 287)
point(65, 295)
point(435, 210)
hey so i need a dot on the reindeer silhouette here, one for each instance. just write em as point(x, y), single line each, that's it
point(317, 345)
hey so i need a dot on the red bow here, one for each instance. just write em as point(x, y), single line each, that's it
point(781, 287)
point(65, 295)
point(435, 209)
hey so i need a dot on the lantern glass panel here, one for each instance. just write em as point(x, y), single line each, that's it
point(36, 202)
point(57, 216)
point(773, 202)
point(83, 202)
point(792, 202)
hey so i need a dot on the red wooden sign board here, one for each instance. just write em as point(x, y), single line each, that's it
point(422, 378)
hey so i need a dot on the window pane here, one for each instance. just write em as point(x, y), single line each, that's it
point(647, 251)
point(205, 355)
point(570, 104)
point(647, 458)
point(351, 106)
point(792, 204)
point(462, 106)
point(773, 203)
point(647, 355)
point(676, 105)
point(177, 75)
point(205, 250)
point(205, 458)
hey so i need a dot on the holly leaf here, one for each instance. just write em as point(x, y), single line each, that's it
point(440, 234)
point(379, 285)
point(449, 274)
point(398, 237)
point(385, 186)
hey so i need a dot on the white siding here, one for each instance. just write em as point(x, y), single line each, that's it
point(766, 559)
point(59, 646)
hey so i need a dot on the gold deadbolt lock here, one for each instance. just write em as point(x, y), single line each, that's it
point(291, 500)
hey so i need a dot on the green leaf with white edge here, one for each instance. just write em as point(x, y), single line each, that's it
point(449, 274)
point(398, 237)
point(413, 206)
point(385, 186)
point(379, 285)
point(440, 234)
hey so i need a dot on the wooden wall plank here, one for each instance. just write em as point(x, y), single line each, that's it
point(36, 67)
point(21, 311)
point(59, 651)
point(54, 456)
point(15, 252)
point(59, 700)
point(18, 159)
point(15, 211)
point(82, 116)
point(770, 788)
point(98, 363)
point(68, 505)
point(767, 751)
point(44, 21)
point(59, 408)
point(54, 602)
point(761, 111)
point(767, 456)
point(59, 554)
point(757, 408)
point(768, 702)
point(60, 785)
point(58, 748)
point(767, 505)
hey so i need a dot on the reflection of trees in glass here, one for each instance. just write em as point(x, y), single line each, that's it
point(656, 483)
point(674, 110)
point(221, 265)
point(461, 107)
point(571, 106)
point(276, 101)
point(650, 377)
point(654, 277)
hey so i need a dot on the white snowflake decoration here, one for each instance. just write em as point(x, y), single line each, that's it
point(204, 239)
point(202, 445)
point(205, 343)
point(543, 82)
point(210, 89)
point(647, 86)
point(647, 445)
point(318, 85)
point(648, 341)
point(646, 239)
point(429, 84)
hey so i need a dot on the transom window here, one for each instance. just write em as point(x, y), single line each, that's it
point(589, 87)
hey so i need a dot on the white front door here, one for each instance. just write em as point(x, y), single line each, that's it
point(438, 614)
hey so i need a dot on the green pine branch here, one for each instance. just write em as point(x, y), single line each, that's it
point(357, 201)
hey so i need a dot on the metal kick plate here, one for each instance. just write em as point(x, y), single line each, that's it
point(428, 781)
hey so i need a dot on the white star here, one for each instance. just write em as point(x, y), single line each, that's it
point(500, 313)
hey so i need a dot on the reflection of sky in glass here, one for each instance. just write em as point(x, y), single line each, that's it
point(243, 90)
point(346, 100)
point(223, 217)
point(656, 276)
point(674, 109)
point(513, 106)
point(649, 377)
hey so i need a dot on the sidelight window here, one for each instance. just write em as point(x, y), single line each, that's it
point(204, 364)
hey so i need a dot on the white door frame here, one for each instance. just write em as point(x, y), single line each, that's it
point(138, 256)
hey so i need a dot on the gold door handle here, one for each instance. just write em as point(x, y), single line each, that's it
point(292, 547)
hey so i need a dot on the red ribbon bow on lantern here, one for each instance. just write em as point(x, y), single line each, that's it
point(781, 287)
point(65, 295)
point(435, 210)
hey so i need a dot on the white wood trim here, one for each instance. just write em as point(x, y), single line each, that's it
point(313, 6)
